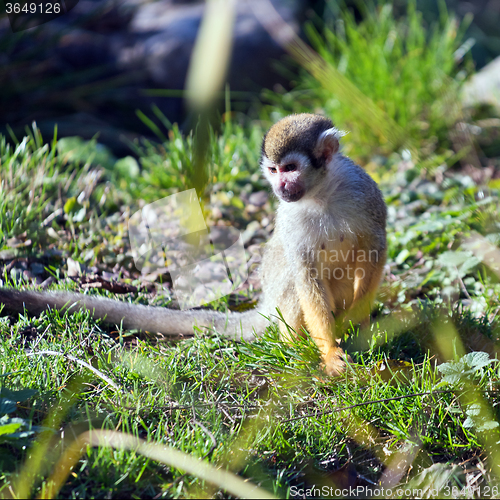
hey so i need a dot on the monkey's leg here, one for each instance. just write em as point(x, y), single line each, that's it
point(291, 323)
point(317, 304)
point(367, 278)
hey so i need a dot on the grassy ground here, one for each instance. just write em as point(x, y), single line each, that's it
point(416, 412)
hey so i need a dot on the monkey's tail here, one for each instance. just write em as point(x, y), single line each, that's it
point(245, 325)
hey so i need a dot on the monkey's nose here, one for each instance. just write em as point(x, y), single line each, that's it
point(290, 187)
point(291, 196)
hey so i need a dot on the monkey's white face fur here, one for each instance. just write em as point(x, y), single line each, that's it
point(298, 173)
point(288, 178)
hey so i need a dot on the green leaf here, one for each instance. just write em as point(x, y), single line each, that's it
point(487, 425)
point(21, 434)
point(456, 371)
point(18, 395)
point(468, 423)
point(9, 399)
point(9, 428)
point(453, 372)
point(77, 150)
point(464, 261)
point(70, 205)
point(403, 255)
point(7, 406)
point(477, 360)
point(127, 167)
point(473, 410)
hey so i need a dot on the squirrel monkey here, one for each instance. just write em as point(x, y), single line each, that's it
point(324, 261)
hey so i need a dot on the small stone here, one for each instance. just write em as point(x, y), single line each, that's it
point(8, 254)
point(37, 268)
point(250, 231)
point(258, 198)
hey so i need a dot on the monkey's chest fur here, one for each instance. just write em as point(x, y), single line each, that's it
point(319, 252)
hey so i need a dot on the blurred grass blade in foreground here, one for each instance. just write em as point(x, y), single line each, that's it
point(205, 79)
point(210, 58)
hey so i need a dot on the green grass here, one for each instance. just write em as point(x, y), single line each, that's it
point(265, 407)
point(408, 72)
point(263, 410)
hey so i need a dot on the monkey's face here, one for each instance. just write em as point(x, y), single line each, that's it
point(288, 177)
point(295, 155)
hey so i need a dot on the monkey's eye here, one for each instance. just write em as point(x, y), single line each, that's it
point(272, 170)
point(291, 167)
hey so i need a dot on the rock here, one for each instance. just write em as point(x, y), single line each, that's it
point(250, 232)
point(37, 268)
point(94, 65)
point(259, 198)
point(484, 86)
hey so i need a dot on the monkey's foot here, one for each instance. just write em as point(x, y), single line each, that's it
point(335, 362)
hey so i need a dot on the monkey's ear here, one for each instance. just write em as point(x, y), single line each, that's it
point(328, 143)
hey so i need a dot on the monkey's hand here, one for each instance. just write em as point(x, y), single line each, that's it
point(335, 362)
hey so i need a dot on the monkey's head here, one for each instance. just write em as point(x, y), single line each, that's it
point(295, 153)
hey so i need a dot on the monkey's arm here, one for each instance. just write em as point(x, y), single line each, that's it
point(134, 316)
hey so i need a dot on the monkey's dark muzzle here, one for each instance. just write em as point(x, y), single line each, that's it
point(291, 196)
